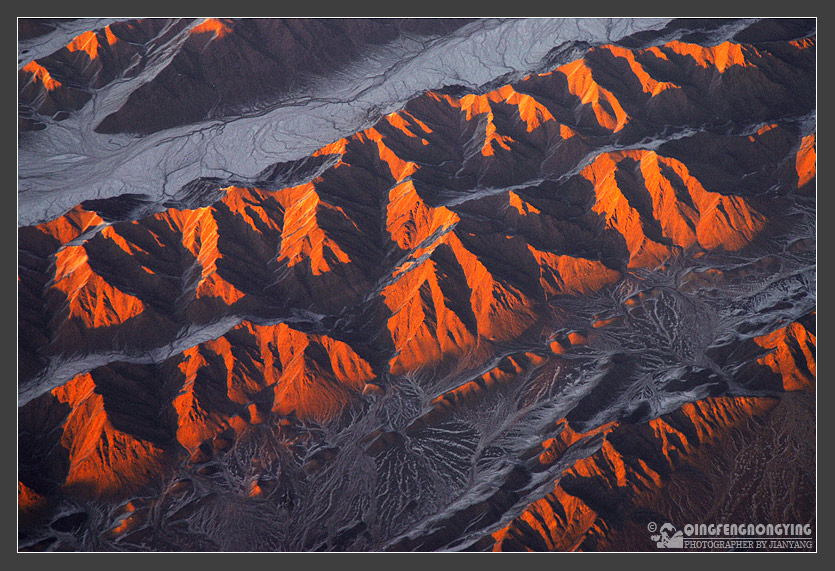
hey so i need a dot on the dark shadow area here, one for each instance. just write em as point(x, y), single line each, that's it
point(280, 56)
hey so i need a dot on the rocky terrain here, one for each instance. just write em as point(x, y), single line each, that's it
point(413, 285)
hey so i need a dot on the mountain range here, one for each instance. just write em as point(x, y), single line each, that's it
point(413, 285)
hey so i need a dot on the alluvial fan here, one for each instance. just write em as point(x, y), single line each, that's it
point(415, 285)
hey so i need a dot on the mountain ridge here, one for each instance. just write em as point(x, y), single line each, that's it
point(605, 247)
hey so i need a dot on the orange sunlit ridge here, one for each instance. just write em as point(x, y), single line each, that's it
point(706, 219)
point(444, 299)
point(563, 519)
point(41, 75)
point(719, 221)
point(214, 26)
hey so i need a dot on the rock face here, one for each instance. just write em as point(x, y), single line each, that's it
point(528, 313)
point(281, 56)
point(665, 470)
